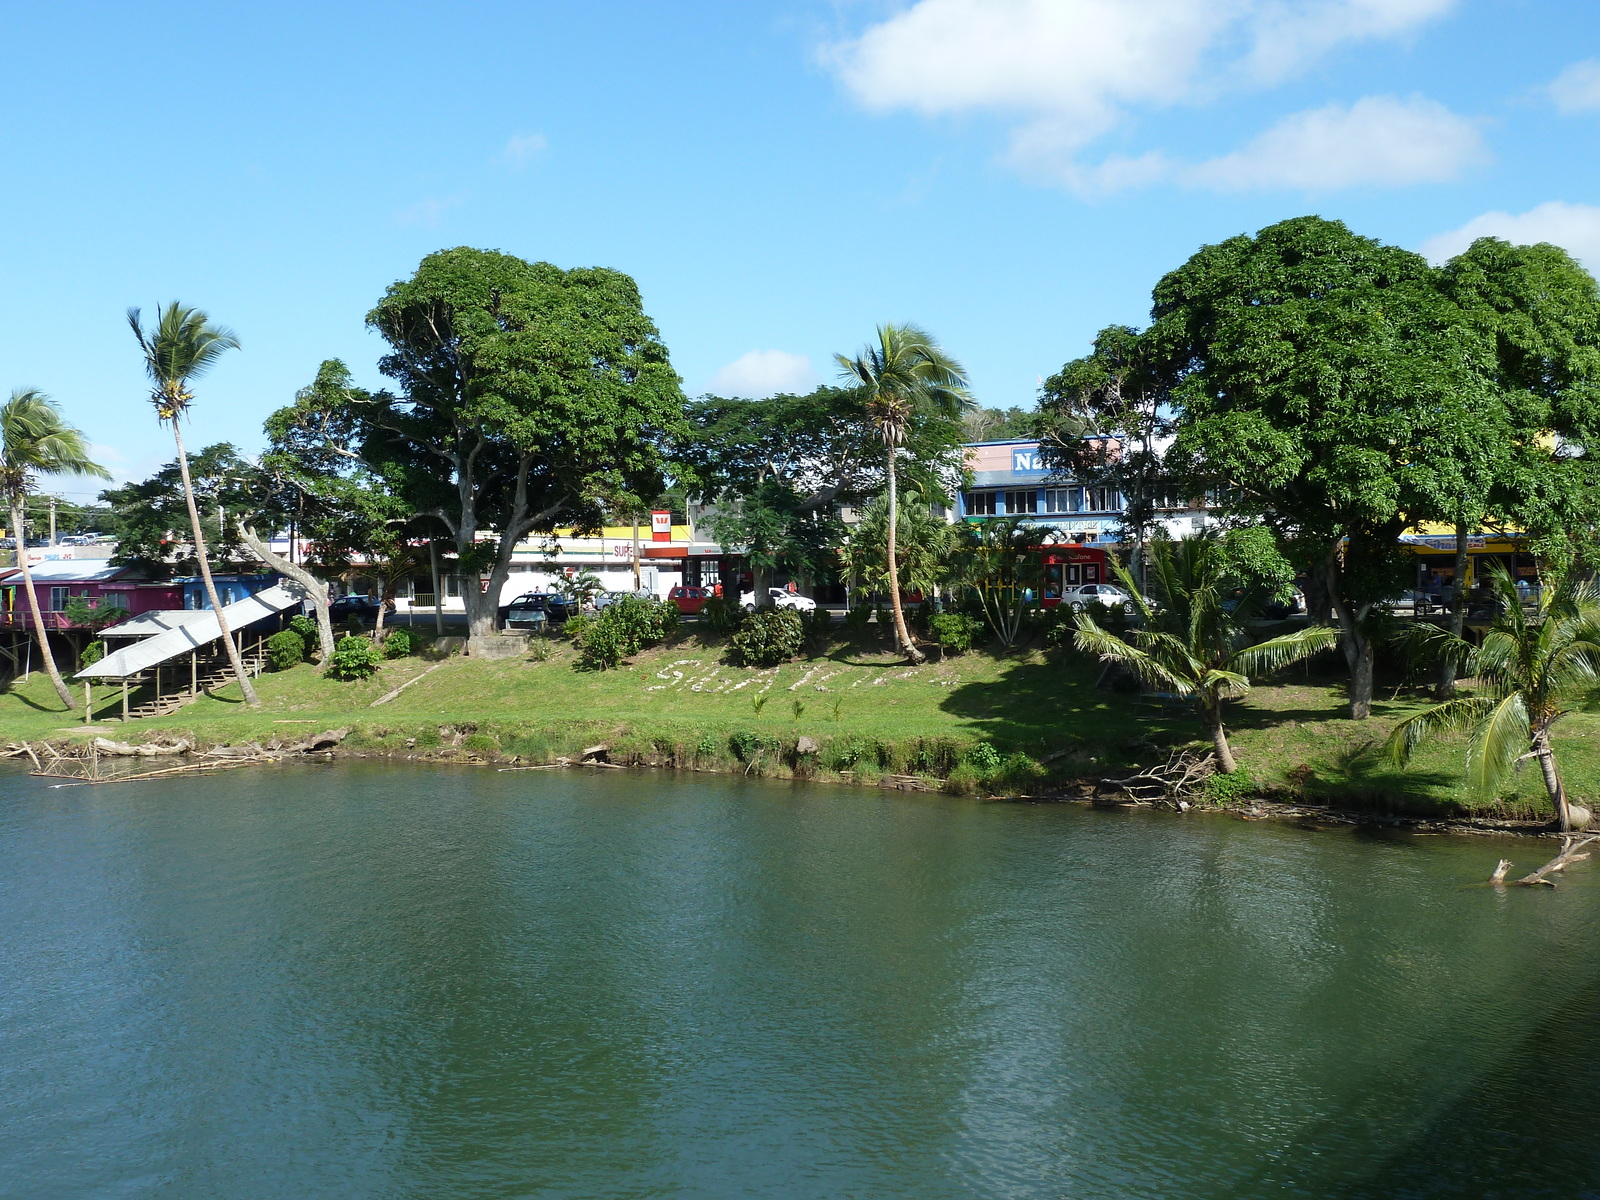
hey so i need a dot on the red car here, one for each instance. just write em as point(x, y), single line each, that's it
point(689, 599)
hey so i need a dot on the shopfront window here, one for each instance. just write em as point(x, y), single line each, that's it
point(980, 504)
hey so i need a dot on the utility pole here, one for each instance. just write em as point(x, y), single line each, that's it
point(636, 551)
point(52, 520)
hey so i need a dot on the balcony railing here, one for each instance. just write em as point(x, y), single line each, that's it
point(23, 619)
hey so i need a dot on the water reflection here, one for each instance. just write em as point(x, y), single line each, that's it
point(362, 981)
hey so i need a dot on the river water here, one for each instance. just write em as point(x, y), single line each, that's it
point(364, 981)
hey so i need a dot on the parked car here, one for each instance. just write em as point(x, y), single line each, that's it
point(362, 608)
point(778, 597)
point(689, 599)
point(534, 609)
point(1084, 594)
point(607, 599)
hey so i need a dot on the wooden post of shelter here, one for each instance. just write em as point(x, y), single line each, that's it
point(124, 699)
point(87, 701)
point(194, 671)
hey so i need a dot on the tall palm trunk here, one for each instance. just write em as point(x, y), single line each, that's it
point(1552, 778)
point(205, 574)
point(1212, 711)
point(33, 609)
point(900, 630)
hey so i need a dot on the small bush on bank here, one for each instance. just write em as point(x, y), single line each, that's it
point(983, 758)
point(355, 657)
point(722, 614)
point(855, 619)
point(818, 625)
point(306, 627)
point(481, 744)
point(621, 629)
point(285, 649)
point(92, 653)
point(769, 637)
point(398, 644)
point(1232, 789)
point(955, 632)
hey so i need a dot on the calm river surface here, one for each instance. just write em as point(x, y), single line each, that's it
point(357, 981)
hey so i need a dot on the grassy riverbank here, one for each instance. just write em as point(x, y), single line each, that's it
point(868, 712)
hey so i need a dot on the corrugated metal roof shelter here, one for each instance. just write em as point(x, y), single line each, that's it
point(193, 634)
point(148, 624)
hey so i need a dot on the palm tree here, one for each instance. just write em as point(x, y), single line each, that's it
point(904, 377)
point(35, 440)
point(1528, 670)
point(1193, 640)
point(183, 345)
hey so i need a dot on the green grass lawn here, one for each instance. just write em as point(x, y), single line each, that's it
point(870, 711)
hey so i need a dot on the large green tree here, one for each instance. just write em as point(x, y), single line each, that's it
point(777, 471)
point(528, 397)
point(1328, 386)
point(1106, 419)
point(905, 377)
point(35, 440)
point(180, 347)
point(150, 517)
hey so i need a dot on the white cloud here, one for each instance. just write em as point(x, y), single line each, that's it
point(427, 213)
point(522, 147)
point(1577, 89)
point(1072, 70)
point(762, 373)
point(1573, 227)
point(1377, 141)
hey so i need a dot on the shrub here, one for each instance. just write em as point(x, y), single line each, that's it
point(481, 744)
point(92, 653)
point(669, 618)
point(722, 614)
point(855, 619)
point(707, 747)
point(623, 628)
point(398, 644)
point(745, 746)
point(284, 649)
point(306, 627)
point(355, 657)
point(769, 637)
point(539, 650)
point(818, 625)
point(983, 758)
point(954, 631)
point(1231, 789)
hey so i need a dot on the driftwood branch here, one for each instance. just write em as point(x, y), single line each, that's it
point(1572, 850)
point(1183, 774)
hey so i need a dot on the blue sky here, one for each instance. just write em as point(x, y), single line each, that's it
point(779, 177)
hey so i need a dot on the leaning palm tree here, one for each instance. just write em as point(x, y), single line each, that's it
point(1193, 642)
point(183, 345)
point(1529, 668)
point(905, 377)
point(34, 440)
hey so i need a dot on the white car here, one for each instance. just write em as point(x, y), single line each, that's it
point(779, 597)
point(1080, 597)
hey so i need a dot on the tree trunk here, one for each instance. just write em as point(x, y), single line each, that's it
point(1444, 685)
point(315, 588)
point(33, 608)
point(900, 630)
point(1219, 740)
point(1552, 779)
point(1356, 645)
point(205, 573)
point(377, 624)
